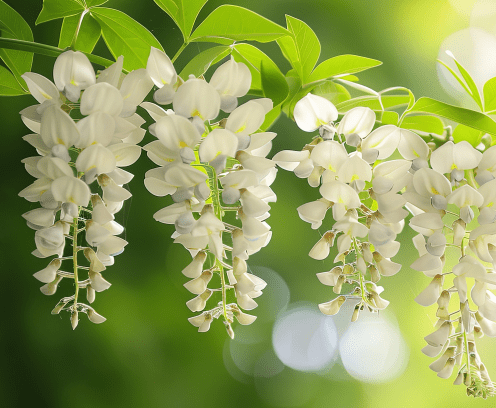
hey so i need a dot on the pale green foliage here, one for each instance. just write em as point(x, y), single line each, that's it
point(184, 13)
point(125, 36)
point(88, 35)
point(12, 25)
point(227, 24)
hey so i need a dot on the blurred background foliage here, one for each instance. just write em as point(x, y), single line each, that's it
point(147, 354)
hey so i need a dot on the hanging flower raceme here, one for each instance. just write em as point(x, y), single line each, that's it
point(452, 203)
point(216, 173)
point(79, 159)
point(362, 193)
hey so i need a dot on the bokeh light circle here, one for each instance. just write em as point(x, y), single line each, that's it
point(304, 339)
point(475, 49)
point(373, 350)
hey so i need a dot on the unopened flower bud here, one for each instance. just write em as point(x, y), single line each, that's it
point(74, 319)
point(356, 312)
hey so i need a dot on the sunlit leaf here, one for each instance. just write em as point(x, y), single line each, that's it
point(466, 117)
point(490, 95)
point(372, 102)
point(8, 84)
point(333, 92)
point(411, 100)
point(183, 12)
point(53, 9)
point(342, 64)
point(469, 84)
point(270, 80)
point(88, 34)
point(125, 36)
point(274, 84)
point(389, 118)
point(271, 117)
point(424, 123)
point(302, 49)
point(13, 25)
point(228, 23)
point(294, 84)
point(471, 135)
point(201, 62)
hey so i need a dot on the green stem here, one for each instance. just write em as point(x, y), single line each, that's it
point(214, 188)
point(179, 51)
point(359, 272)
point(468, 356)
point(44, 49)
point(74, 256)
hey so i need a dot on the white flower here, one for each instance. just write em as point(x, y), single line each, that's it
point(102, 97)
point(232, 80)
point(42, 89)
point(342, 196)
point(57, 127)
point(451, 156)
point(196, 98)
point(314, 212)
point(72, 73)
point(163, 74)
point(247, 118)
point(134, 88)
point(312, 111)
point(359, 120)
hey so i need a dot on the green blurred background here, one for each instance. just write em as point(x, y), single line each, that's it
point(147, 354)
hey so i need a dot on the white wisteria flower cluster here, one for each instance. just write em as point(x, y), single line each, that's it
point(216, 172)
point(85, 130)
point(452, 201)
point(348, 161)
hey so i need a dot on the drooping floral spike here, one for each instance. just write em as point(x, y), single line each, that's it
point(76, 160)
point(219, 181)
point(452, 203)
point(364, 196)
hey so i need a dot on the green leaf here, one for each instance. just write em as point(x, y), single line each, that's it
point(469, 84)
point(424, 123)
point(125, 36)
point(228, 23)
point(53, 9)
point(471, 135)
point(466, 117)
point(411, 100)
point(93, 3)
point(372, 102)
point(389, 118)
point(88, 36)
point(294, 84)
point(9, 85)
point(201, 62)
point(184, 13)
point(13, 25)
point(270, 118)
point(333, 92)
point(302, 48)
point(490, 95)
point(342, 64)
point(269, 78)
point(274, 84)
